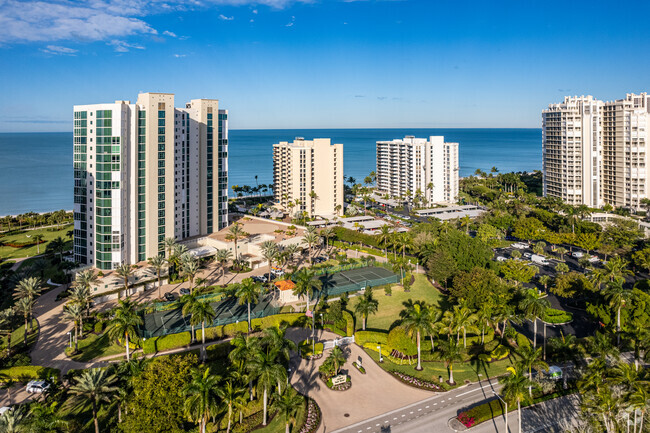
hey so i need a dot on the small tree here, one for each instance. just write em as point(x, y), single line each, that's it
point(93, 387)
point(367, 305)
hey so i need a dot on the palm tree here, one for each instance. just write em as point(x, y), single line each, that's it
point(229, 394)
point(125, 323)
point(466, 222)
point(545, 280)
point(464, 319)
point(24, 306)
point(201, 397)
point(275, 339)
point(384, 237)
point(561, 251)
point(367, 305)
point(125, 271)
point(450, 352)
point(94, 387)
point(617, 297)
point(12, 421)
point(327, 234)
point(46, 418)
point(58, 245)
point(246, 348)
point(223, 256)
point(514, 388)
point(6, 323)
point(28, 288)
point(74, 313)
point(190, 269)
point(534, 307)
point(416, 319)
point(640, 401)
point(306, 284)
point(268, 373)
point(81, 296)
point(248, 291)
point(170, 245)
point(288, 404)
point(616, 269)
point(158, 262)
point(189, 301)
point(270, 253)
point(86, 279)
point(202, 312)
point(235, 233)
point(310, 239)
point(337, 358)
point(38, 238)
point(531, 358)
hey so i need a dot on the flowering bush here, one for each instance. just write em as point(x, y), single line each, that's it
point(313, 418)
point(466, 420)
point(414, 381)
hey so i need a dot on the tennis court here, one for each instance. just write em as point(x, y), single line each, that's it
point(227, 311)
point(356, 279)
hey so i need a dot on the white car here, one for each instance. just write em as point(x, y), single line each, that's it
point(501, 259)
point(519, 246)
point(594, 259)
point(3, 409)
point(527, 255)
point(578, 254)
point(37, 386)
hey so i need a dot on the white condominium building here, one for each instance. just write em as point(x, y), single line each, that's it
point(419, 167)
point(595, 152)
point(144, 172)
point(308, 177)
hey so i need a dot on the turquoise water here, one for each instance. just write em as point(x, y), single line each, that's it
point(36, 168)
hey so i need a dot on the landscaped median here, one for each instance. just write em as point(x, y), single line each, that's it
point(557, 317)
point(28, 372)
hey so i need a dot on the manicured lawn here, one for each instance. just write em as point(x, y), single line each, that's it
point(277, 425)
point(18, 336)
point(48, 235)
point(433, 370)
point(96, 346)
point(390, 306)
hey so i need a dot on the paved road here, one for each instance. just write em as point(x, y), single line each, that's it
point(433, 415)
point(430, 414)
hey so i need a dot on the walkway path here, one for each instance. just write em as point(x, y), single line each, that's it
point(371, 394)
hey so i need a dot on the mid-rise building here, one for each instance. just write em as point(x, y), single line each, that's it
point(595, 152)
point(308, 177)
point(419, 169)
point(144, 172)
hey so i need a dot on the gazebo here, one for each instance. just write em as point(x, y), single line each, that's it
point(285, 288)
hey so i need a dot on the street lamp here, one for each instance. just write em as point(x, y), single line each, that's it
point(321, 320)
point(381, 359)
point(506, 409)
point(288, 374)
point(70, 335)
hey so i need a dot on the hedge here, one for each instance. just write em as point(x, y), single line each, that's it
point(522, 340)
point(349, 319)
point(362, 337)
point(166, 342)
point(400, 340)
point(29, 372)
point(557, 316)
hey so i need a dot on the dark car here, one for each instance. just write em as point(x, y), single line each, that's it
point(184, 291)
point(320, 259)
point(169, 296)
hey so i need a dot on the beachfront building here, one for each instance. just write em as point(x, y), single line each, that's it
point(419, 169)
point(595, 152)
point(308, 177)
point(144, 172)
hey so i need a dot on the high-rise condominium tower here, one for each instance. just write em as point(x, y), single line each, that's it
point(595, 152)
point(144, 172)
point(419, 169)
point(308, 176)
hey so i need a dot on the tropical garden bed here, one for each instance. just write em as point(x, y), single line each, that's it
point(416, 382)
point(359, 367)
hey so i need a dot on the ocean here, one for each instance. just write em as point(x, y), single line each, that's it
point(36, 168)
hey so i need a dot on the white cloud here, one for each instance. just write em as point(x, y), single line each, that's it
point(123, 46)
point(178, 56)
point(252, 21)
point(225, 18)
point(255, 11)
point(170, 34)
point(59, 50)
point(289, 25)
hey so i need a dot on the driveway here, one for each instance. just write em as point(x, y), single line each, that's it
point(371, 394)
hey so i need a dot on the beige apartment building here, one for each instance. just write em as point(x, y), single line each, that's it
point(144, 172)
point(308, 177)
point(595, 152)
point(411, 167)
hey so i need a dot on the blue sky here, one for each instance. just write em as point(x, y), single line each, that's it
point(320, 64)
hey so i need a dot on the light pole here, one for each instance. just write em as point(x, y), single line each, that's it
point(381, 359)
point(506, 409)
point(321, 321)
point(70, 335)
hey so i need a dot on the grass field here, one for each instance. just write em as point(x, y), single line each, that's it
point(96, 346)
point(433, 370)
point(390, 306)
point(18, 336)
point(48, 235)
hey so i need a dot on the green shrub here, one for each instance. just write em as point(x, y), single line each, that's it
point(166, 342)
point(401, 341)
point(99, 327)
point(362, 337)
point(29, 372)
point(306, 348)
point(291, 319)
point(500, 352)
point(484, 412)
point(218, 351)
point(522, 341)
point(557, 316)
point(349, 324)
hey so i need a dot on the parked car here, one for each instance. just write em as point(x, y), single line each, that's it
point(277, 272)
point(578, 254)
point(501, 259)
point(594, 259)
point(519, 246)
point(259, 278)
point(320, 259)
point(169, 296)
point(539, 260)
point(527, 255)
point(37, 386)
point(184, 291)
point(3, 409)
